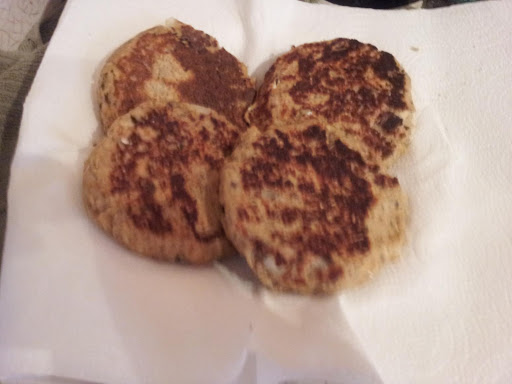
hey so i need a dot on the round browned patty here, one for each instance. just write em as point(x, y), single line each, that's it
point(152, 182)
point(361, 91)
point(174, 63)
point(307, 213)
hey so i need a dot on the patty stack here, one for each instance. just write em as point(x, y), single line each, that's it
point(297, 187)
point(172, 106)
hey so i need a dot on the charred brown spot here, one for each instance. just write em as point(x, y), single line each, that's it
point(196, 39)
point(289, 215)
point(367, 97)
point(249, 179)
point(178, 189)
point(307, 187)
point(306, 65)
point(384, 65)
point(279, 259)
point(277, 148)
point(335, 273)
point(217, 123)
point(387, 69)
point(377, 142)
point(261, 173)
point(347, 153)
point(189, 208)
point(385, 181)
point(339, 49)
point(315, 132)
point(262, 251)
point(320, 245)
point(397, 98)
point(151, 216)
point(242, 214)
point(218, 80)
point(213, 162)
point(127, 89)
point(204, 134)
point(390, 122)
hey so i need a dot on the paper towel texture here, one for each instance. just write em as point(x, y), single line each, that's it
point(74, 303)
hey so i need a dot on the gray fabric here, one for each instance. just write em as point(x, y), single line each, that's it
point(17, 71)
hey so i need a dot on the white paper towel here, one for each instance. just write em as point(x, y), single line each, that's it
point(73, 303)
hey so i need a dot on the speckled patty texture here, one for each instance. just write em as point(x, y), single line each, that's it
point(308, 213)
point(152, 182)
point(361, 91)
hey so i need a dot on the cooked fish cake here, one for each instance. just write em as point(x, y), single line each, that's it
point(174, 63)
point(306, 212)
point(152, 182)
point(360, 90)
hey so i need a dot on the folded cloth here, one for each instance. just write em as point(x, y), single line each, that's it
point(17, 70)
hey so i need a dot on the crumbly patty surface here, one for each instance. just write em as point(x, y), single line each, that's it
point(174, 63)
point(152, 182)
point(308, 213)
point(363, 92)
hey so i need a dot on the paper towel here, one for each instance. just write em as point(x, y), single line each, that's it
point(73, 303)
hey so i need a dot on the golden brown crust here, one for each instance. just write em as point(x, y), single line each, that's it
point(152, 181)
point(353, 86)
point(307, 213)
point(176, 63)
